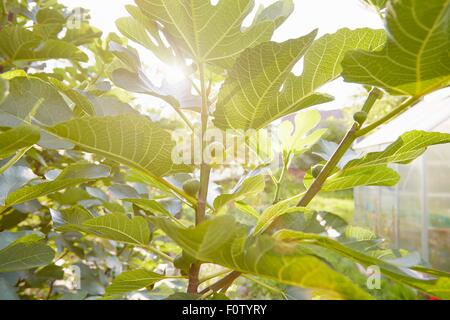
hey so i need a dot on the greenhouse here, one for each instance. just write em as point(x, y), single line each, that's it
point(415, 214)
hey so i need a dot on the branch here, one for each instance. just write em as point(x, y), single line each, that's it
point(345, 144)
point(205, 172)
point(316, 186)
point(194, 281)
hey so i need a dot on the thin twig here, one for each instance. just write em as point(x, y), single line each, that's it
point(403, 107)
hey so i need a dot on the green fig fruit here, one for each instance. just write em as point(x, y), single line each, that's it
point(360, 117)
point(191, 187)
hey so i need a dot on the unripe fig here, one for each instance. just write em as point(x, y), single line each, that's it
point(360, 117)
point(191, 187)
point(183, 262)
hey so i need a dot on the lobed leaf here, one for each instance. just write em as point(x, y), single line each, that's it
point(372, 170)
point(210, 33)
point(19, 44)
point(415, 60)
point(260, 87)
point(130, 139)
point(298, 139)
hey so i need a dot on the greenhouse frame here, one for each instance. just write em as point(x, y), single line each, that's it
point(415, 214)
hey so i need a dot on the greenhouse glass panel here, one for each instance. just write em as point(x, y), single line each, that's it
point(415, 214)
point(387, 221)
point(410, 206)
point(438, 197)
point(367, 206)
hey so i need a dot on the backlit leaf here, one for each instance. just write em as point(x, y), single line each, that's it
point(225, 242)
point(25, 253)
point(405, 149)
point(272, 213)
point(119, 227)
point(298, 139)
point(17, 138)
point(372, 170)
point(133, 280)
point(206, 32)
point(261, 88)
point(251, 186)
point(439, 286)
point(415, 60)
point(32, 97)
point(19, 44)
point(371, 176)
point(71, 176)
point(129, 139)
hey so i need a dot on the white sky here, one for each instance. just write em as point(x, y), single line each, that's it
point(327, 15)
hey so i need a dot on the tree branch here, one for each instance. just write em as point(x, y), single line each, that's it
point(345, 144)
point(205, 172)
point(316, 186)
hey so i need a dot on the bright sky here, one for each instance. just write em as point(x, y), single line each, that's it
point(327, 15)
